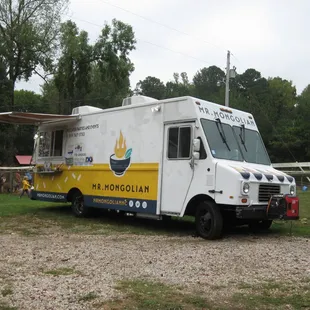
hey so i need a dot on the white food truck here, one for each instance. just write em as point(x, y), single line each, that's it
point(160, 158)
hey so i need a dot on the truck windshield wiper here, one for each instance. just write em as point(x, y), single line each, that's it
point(242, 136)
point(221, 132)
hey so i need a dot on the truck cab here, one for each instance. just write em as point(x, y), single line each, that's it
point(241, 186)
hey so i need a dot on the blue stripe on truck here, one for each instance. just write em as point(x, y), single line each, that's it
point(48, 196)
point(124, 204)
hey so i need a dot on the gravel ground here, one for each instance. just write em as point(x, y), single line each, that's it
point(98, 262)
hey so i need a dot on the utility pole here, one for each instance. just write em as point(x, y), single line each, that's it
point(227, 80)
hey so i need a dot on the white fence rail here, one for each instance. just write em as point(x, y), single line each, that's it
point(16, 168)
point(295, 169)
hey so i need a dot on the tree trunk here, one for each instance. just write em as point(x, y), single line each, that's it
point(59, 103)
point(11, 128)
point(11, 92)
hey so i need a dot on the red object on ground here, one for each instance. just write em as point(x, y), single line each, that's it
point(292, 206)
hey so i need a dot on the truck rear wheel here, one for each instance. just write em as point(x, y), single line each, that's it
point(209, 221)
point(78, 207)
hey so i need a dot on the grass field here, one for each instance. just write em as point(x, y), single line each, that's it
point(141, 295)
point(34, 217)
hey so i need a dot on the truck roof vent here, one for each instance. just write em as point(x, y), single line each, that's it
point(86, 109)
point(137, 100)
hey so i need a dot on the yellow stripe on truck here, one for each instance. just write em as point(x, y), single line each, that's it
point(140, 181)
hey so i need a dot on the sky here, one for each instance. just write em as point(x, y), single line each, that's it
point(187, 35)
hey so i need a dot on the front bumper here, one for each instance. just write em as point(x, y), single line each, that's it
point(283, 207)
point(252, 213)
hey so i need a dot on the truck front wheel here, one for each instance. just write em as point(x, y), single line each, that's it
point(78, 206)
point(209, 220)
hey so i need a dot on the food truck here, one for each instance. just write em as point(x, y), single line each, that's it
point(160, 158)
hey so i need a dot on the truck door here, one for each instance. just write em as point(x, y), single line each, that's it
point(177, 173)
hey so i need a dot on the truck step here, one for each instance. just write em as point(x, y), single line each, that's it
point(149, 216)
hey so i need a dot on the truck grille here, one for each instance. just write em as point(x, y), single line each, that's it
point(266, 190)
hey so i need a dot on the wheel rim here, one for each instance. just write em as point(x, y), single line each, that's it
point(205, 221)
point(79, 205)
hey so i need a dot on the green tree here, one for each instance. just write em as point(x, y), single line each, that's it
point(27, 101)
point(18, 139)
point(305, 94)
point(28, 34)
point(111, 53)
point(250, 92)
point(283, 97)
point(209, 85)
point(292, 139)
point(302, 125)
point(73, 68)
point(179, 88)
point(281, 113)
point(98, 74)
point(4, 104)
point(152, 87)
point(272, 104)
point(83, 70)
point(4, 88)
point(52, 96)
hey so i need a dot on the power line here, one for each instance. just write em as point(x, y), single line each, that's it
point(266, 115)
point(145, 41)
point(161, 24)
point(238, 60)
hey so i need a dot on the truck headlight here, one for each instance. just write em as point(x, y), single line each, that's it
point(246, 188)
point(292, 190)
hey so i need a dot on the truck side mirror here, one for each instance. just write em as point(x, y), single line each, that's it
point(196, 145)
point(196, 155)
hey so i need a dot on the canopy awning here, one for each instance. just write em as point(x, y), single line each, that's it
point(25, 118)
point(23, 159)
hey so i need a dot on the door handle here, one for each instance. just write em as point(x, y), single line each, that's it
point(213, 191)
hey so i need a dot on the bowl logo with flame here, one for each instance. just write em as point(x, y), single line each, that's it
point(120, 160)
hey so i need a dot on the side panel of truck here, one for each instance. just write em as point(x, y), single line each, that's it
point(113, 158)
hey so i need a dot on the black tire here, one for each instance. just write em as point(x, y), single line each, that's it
point(77, 205)
point(209, 221)
point(263, 225)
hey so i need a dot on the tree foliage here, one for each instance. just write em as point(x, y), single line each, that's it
point(281, 115)
point(88, 72)
point(72, 78)
point(97, 74)
point(28, 34)
point(152, 87)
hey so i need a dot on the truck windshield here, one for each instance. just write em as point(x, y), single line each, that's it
point(252, 145)
point(221, 139)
